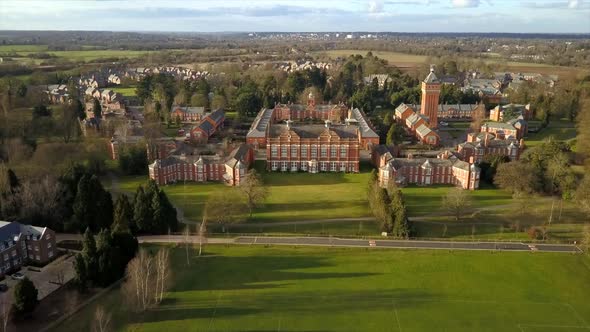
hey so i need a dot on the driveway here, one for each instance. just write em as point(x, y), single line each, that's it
point(46, 281)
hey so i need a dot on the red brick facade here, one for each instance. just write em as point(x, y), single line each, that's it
point(20, 244)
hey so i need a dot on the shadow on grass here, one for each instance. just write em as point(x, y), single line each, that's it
point(164, 313)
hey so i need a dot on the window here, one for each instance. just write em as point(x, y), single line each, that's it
point(342, 167)
point(323, 166)
point(343, 150)
point(333, 167)
point(283, 166)
point(14, 253)
point(283, 151)
point(314, 152)
point(37, 257)
point(304, 166)
point(304, 151)
point(49, 245)
point(333, 151)
point(23, 244)
point(293, 151)
point(36, 248)
point(50, 253)
point(274, 150)
point(274, 165)
point(324, 151)
point(294, 166)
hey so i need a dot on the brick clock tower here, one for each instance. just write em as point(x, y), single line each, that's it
point(430, 94)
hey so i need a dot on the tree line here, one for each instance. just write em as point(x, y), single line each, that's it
point(389, 208)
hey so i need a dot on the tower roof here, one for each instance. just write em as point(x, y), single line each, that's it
point(431, 78)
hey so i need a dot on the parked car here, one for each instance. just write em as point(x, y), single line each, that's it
point(18, 276)
point(3, 288)
point(444, 124)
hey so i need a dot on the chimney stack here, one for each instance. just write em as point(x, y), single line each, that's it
point(327, 123)
point(289, 124)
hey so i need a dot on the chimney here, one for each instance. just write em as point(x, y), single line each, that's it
point(289, 124)
point(327, 123)
point(486, 140)
point(472, 160)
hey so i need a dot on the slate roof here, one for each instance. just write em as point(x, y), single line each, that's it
point(261, 122)
point(238, 154)
point(365, 127)
point(314, 131)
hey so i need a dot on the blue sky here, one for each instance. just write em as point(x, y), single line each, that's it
point(526, 16)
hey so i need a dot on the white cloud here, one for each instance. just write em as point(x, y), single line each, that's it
point(574, 4)
point(375, 6)
point(465, 3)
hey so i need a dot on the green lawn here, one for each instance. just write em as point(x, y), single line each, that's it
point(351, 289)
point(560, 130)
point(125, 91)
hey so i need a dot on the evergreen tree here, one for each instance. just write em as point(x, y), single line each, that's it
point(89, 254)
point(123, 216)
point(401, 227)
point(81, 272)
point(395, 135)
point(97, 108)
point(25, 297)
point(142, 210)
point(81, 208)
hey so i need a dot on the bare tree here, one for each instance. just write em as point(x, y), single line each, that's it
point(163, 274)
point(253, 189)
point(586, 238)
point(457, 201)
point(60, 277)
point(140, 282)
point(5, 315)
point(477, 118)
point(102, 320)
point(147, 279)
point(187, 243)
point(225, 207)
point(202, 234)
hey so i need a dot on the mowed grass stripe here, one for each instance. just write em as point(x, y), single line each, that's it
point(346, 289)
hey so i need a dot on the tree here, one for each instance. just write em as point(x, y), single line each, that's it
point(253, 189)
point(583, 193)
point(395, 135)
point(25, 297)
point(133, 161)
point(457, 201)
point(96, 108)
point(401, 227)
point(68, 125)
point(81, 272)
point(586, 239)
point(247, 103)
point(102, 320)
point(200, 100)
point(517, 177)
point(225, 207)
point(123, 216)
point(142, 210)
point(5, 313)
point(147, 278)
point(90, 254)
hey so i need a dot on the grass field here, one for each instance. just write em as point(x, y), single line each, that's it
point(394, 58)
point(350, 289)
point(126, 91)
point(562, 130)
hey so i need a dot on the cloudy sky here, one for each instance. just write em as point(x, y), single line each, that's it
point(298, 15)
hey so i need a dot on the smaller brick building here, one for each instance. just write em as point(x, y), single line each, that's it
point(480, 145)
point(24, 244)
point(187, 114)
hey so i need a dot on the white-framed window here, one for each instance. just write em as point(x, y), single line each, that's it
point(342, 167)
point(274, 151)
point(304, 166)
point(324, 151)
point(333, 151)
point(274, 165)
point(50, 253)
point(36, 248)
point(283, 151)
point(323, 166)
point(293, 151)
point(37, 257)
point(14, 253)
point(314, 151)
point(333, 167)
point(304, 151)
point(49, 245)
point(284, 165)
point(294, 166)
point(343, 151)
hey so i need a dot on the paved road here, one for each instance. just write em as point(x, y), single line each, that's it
point(323, 241)
point(339, 242)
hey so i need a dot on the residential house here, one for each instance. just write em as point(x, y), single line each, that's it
point(24, 244)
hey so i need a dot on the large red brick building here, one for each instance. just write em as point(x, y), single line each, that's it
point(295, 141)
point(480, 145)
point(446, 168)
point(186, 164)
